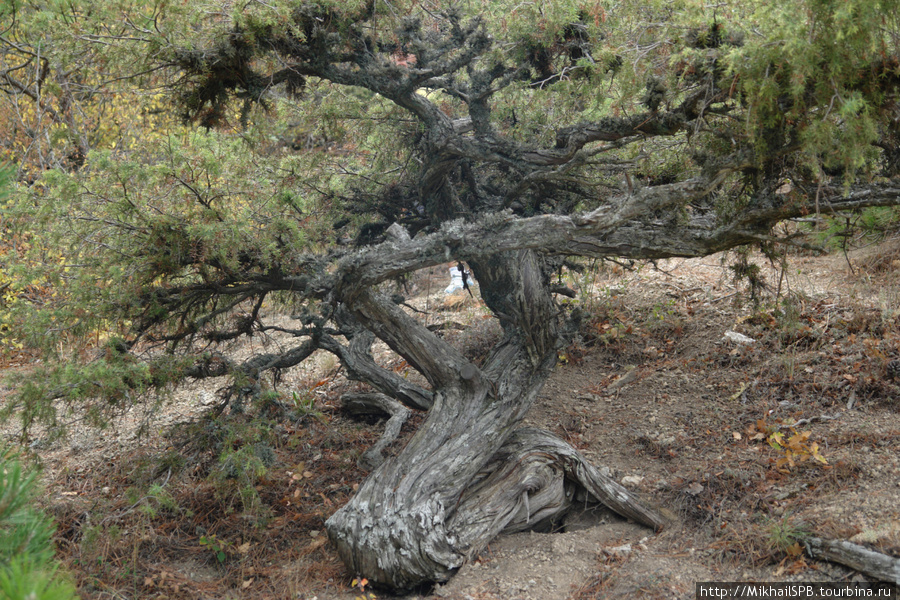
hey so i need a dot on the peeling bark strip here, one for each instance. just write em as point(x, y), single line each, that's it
point(532, 479)
point(874, 564)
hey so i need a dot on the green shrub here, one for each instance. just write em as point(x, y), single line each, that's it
point(27, 566)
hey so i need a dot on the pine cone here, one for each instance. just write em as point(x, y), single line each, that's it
point(893, 370)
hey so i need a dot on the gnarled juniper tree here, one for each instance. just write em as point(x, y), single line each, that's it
point(505, 135)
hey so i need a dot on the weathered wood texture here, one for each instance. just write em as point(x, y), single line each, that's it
point(467, 474)
point(375, 403)
point(874, 564)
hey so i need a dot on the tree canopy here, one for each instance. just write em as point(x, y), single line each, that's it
point(187, 166)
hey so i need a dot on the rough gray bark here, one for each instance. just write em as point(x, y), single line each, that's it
point(420, 514)
point(379, 404)
point(535, 477)
point(874, 564)
point(357, 359)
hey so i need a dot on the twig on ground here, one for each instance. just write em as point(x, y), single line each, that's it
point(802, 422)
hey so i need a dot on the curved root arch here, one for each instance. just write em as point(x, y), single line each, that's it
point(533, 478)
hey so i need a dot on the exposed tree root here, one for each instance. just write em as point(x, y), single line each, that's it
point(874, 564)
point(534, 478)
point(377, 404)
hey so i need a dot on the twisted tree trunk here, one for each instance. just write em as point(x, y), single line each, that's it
point(467, 474)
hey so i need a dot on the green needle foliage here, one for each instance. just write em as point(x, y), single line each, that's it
point(28, 570)
point(144, 241)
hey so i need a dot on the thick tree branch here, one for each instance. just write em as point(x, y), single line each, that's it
point(874, 564)
point(504, 232)
point(437, 360)
point(360, 366)
point(622, 230)
point(379, 404)
point(218, 365)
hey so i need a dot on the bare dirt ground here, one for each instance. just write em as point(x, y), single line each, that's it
point(745, 446)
